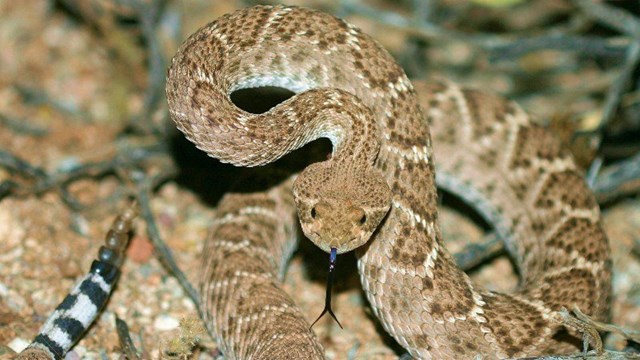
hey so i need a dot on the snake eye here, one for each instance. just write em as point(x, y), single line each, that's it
point(363, 219)
point(313, 212)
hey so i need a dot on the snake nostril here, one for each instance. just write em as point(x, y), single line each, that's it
point(363, 219)
point(313, 212)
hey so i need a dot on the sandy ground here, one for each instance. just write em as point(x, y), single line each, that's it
point(45, 247)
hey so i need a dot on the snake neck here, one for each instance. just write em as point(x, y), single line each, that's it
point(342, 118)
point(203, 110)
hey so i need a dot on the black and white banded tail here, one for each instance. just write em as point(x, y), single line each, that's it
point(82, 305)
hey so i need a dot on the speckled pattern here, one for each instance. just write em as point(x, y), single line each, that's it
point(351, 91)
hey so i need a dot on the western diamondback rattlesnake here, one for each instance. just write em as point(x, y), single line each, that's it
point(377, 193)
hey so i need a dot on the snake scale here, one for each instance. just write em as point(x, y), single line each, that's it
point(377, 193)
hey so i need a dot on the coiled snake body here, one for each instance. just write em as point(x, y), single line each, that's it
point(377, 193)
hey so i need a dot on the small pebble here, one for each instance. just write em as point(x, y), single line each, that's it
point(18, 344)
point(165, 323)
point(72, 355)
point(140, 250)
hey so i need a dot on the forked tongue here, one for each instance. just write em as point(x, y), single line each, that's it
point(327, 301)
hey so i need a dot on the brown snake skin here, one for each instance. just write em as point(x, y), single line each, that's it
point(349, 89)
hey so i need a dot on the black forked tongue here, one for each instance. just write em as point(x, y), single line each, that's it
point(327, 300)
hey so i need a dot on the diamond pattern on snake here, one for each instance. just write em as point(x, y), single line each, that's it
point(393, 142)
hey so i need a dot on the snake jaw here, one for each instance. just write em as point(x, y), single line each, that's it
point(328, 226)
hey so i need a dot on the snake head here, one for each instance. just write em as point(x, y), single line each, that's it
point(340, 206)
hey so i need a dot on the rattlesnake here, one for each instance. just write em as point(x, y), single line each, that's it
point(377, 193)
